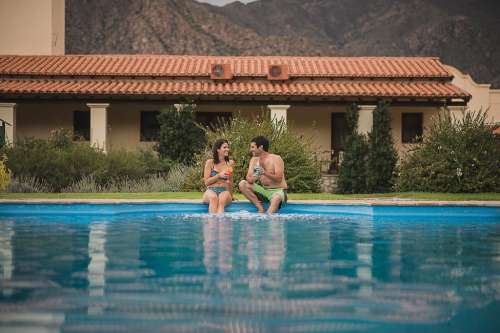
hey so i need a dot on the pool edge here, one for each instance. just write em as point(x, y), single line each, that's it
point(357, 202)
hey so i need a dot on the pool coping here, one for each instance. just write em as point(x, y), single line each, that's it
point(356, 202)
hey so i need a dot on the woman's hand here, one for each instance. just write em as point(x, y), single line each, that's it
point(222, 175)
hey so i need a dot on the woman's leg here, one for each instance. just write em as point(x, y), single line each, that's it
point(210, 198)
point(224, 200)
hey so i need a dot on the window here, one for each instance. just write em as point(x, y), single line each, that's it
point(150, 128)
point(412, 127)
point(81, 125)
point(211, 119)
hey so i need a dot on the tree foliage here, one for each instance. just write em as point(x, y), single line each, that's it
point(459, 154)
point(352, 176)
point(382, 156)
point(180, 137)
point(302, 170)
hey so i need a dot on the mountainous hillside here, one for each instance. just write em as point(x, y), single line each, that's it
point(463, 33)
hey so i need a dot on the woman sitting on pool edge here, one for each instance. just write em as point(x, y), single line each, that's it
point(218, 177)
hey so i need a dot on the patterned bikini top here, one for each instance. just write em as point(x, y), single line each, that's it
point(214, 172)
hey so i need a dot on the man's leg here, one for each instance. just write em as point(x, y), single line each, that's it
point(224, 200)
point(246, 189)
point(274, 203)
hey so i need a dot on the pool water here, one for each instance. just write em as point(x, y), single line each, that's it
point(244, 272)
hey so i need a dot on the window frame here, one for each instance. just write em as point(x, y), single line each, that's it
point(142, 136)
point(418, 131)
point(77, 134)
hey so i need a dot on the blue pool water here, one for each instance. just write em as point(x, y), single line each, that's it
point(313, 268)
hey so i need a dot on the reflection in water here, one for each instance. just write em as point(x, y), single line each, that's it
point(364, 252)
point(395, 255)
point(6, 257)
point(217, 246)
point(97, 264)
point(249, 273)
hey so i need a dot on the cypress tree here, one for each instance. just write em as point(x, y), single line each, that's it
point(180, 137)
point(352, 176)
point(382, 157)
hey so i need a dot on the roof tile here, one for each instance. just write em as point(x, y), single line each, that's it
point(199, 66)
point(430, 89)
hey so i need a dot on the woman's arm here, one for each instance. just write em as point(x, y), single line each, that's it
point(230, 179)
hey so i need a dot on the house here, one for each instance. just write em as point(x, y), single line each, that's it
point(112, 100)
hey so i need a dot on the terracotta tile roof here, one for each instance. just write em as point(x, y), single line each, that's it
point(328, 88)
point(122, 75)
point(245, 66)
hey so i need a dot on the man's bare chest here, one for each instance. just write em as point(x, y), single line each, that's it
point(267, 164)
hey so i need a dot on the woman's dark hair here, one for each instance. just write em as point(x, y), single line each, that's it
point(261, 141)
point(217, 144)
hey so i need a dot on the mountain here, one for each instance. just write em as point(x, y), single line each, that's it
point(463, 33)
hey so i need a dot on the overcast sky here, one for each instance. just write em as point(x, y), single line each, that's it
point(222, 2)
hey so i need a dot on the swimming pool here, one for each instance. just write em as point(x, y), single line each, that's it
point(313, 268)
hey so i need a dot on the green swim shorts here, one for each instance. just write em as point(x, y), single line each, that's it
point(265, 194)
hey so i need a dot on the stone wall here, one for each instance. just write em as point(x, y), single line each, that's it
point(329, 183)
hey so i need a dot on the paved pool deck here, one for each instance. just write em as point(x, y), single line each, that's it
point(367, 202)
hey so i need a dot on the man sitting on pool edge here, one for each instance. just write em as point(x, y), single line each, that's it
point(269, 170)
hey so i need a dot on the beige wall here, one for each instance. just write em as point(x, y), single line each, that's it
point(495, 104)
point(315, 122)
point(32, 27)
point(483, 97)
point(124, 121)
point(38, 119)
point(396, 124)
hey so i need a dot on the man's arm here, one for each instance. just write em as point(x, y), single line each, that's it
point(250, 178)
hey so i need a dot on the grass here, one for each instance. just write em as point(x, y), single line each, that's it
point(292, 196)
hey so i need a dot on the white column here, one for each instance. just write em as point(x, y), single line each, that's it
point(99, 125)
point(278, 112)
point(365, 122)
point(457, 111)
point(8, 114)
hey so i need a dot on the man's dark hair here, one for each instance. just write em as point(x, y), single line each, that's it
point(261, 141)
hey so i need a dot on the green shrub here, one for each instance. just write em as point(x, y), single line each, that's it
point(193, 180)
point(57, 167)
point(382, 156)
point(5, 176)
point(60, 163)
point(121, 164)
point(26, 184)
point(352, 175)
point(457, 155)
point(301, 168)
point(154, 164)
point(180, 137)
point(172, 182)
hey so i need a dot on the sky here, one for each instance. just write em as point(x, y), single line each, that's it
point(222, 2)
